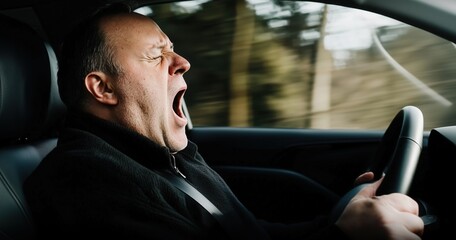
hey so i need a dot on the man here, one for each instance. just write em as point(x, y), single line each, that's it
point(125, 134)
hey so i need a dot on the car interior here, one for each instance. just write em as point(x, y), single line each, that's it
point(30, 108)
point(258, 163)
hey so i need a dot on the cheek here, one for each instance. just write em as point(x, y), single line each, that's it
point(146, 85)
point(153, 97)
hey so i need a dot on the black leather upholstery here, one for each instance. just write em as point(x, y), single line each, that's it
point(29, 110)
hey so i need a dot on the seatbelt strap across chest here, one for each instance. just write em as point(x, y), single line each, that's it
point(188, 189)
point(229, 222)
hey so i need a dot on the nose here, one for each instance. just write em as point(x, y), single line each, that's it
point(179, 65)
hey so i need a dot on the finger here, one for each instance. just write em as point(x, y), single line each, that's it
point(399, 232)
point(413, 223)
point(406, 224)
point(369, 190)
point(404, 212)
point(401, 203)
point(364, 178)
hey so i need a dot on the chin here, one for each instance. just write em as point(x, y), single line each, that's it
point(178, 144)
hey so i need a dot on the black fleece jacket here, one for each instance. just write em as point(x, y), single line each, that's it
point(103, 181)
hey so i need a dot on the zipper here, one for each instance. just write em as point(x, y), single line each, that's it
point(174, 167)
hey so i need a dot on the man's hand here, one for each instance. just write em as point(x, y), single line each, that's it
point(392, 216)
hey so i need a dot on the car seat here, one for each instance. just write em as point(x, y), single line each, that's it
point(30, 111)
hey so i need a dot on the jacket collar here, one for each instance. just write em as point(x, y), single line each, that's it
point(132, 144)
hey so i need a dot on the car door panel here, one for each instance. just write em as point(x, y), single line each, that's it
point(283, 174)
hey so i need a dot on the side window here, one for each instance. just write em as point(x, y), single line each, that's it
point(307, 65)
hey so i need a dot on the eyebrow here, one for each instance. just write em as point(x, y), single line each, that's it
point(165, 44)
point(161, 46)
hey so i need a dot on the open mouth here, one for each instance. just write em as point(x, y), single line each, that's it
point(177, 103)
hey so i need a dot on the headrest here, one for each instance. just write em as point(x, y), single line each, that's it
point(29, 99)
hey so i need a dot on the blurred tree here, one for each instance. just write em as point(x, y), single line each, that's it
point(321, 91)
point(239, 101)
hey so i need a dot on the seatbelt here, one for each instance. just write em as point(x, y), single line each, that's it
point(188, 189)
point(230, 222)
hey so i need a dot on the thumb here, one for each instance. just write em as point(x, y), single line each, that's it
point(364, 178)
point(370, 189)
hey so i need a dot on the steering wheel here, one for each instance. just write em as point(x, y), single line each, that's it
point(397, 157)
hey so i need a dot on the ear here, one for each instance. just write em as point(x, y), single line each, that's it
point(100, 86)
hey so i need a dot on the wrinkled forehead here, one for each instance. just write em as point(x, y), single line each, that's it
point(132, 28)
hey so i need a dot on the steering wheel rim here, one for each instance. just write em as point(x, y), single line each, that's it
point(397, 157)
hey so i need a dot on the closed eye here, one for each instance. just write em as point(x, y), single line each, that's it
point(156, 58)
point(152, 59)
